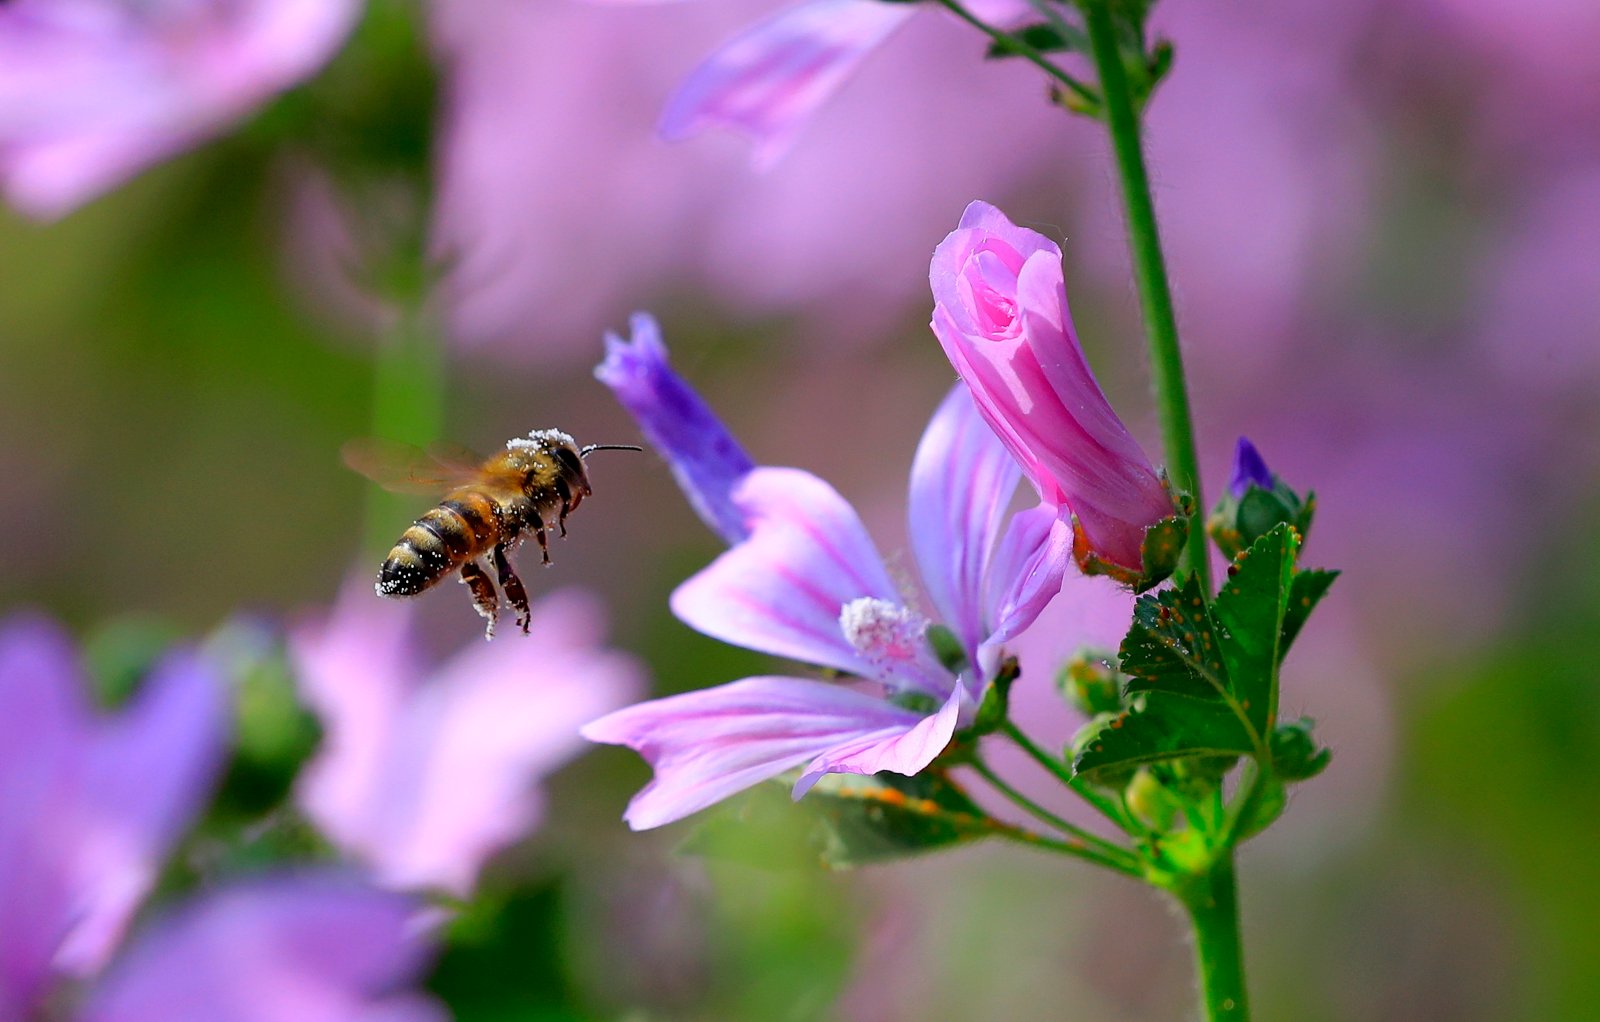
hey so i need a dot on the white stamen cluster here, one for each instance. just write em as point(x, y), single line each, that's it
point(889, 636)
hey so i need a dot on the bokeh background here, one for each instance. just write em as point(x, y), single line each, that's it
point(1383, 219)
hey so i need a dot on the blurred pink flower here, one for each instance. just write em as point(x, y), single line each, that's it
point(425, 774)
point(91, 805)
point(94, 91)
point(768, 81)
point(318, 947)
point(537, 268)
point(1000, 312)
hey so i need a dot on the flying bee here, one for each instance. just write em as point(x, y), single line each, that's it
point(489, 506)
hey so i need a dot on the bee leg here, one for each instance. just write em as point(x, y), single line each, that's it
point(516, 595)
point(484, 598)
point(567, 504)
point(537, 523)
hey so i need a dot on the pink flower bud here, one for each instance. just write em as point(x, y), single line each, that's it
point(1000, 312)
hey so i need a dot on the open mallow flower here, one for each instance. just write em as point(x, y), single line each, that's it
point(425, 772)
point(1000, 313)
point(94, 91)
point(806, 583)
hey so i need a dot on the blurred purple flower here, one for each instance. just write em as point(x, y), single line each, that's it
point(424, 775)
point(705, 458)
point(767, 81)
point(1249, 469)
point(1000, 313)
point(807, 583)
point(309, 948)
point(91, 805)
point(94, 91)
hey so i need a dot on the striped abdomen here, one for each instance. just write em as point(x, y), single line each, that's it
point(464, 526)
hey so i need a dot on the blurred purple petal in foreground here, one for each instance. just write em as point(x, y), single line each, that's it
point(425, 773)
point(94, 91)
point(312, 948)
point(91, 805)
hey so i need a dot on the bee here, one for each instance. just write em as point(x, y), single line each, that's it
point(489, 506)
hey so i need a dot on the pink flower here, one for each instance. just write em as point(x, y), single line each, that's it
point(425, 774)
point(90, 805)
point(318, 947)
point(768, 81)
point(1000, 312)
point(94, 91)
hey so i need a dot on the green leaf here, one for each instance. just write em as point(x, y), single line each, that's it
point(1165, 727)
point(1173, 645)
point(1250, 610)
point(847, 820)
point(1305, 592)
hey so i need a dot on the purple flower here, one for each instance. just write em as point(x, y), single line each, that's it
point(768, 81)
point(1249, 469)
point(313, 948)
point(91, 804)
point(1000, 313)
point(425, 774)
point(94, 91)
point(705, 458)
point(807, 583)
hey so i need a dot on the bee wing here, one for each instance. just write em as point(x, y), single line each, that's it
point(404, 468)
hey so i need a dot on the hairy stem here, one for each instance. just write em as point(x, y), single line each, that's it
point(1150, 274)
point(1213, 906)
point(1012, 44)
point(1128, 862)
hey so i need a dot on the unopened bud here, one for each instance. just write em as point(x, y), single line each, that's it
point(1091, 683)
point(1295, 754)
point(1256, 502)
point(1150, 801)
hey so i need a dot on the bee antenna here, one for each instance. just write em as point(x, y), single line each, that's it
point(586, 451)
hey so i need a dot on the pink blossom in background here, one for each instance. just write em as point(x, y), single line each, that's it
point(1000, 313)
point(91, 804)
point(561, 209)
point(425, 772)
point(315, 947)
point(94, 91)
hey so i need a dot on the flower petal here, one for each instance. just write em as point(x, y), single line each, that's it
point(962, 481)
point(767, 82)
point(705, 458)
point(1024, 576)
point(782, 589)
point(710, 744)
point(896, 748)
point(312, 948)
point(148, 777)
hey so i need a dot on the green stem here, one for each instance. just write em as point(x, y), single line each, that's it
point(1126, 860)
point(1213, 906)
point(1150, 273)
point(1044, 759)
point(1070, 847)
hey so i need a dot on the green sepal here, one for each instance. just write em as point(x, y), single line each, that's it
point(1306, 590)
point(1162, 727)
point(995, 708)
point(1295, 753)
point(1150, 801)
point(947, 648)
point(1251, 610)
point(846, 820)
point(1045, 38)
point(1270, 800)
point(1160, 550)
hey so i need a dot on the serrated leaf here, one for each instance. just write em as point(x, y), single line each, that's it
point(1306, 590)
point(1250, 610)
point(1173, 645)
point(1166, 726)
point(846, 820)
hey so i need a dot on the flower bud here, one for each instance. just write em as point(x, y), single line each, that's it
point(1257, 501)
point(1091, 683)
point(1295, 754)
point(1150, 801)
